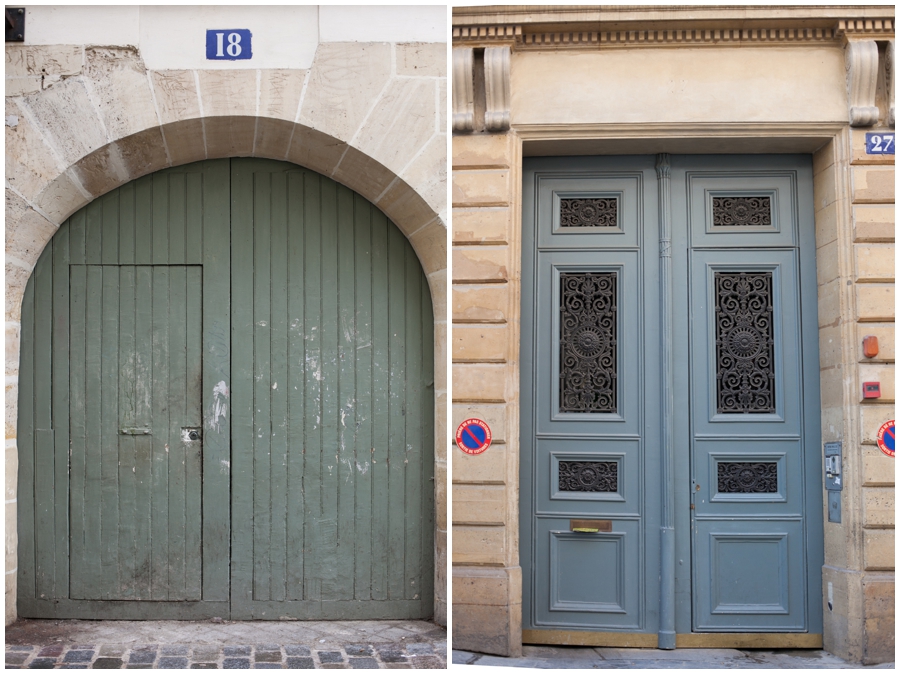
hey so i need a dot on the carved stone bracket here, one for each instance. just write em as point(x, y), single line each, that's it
point(496, 88)
point(861, 59)
point(889, 80)
point(463, 89)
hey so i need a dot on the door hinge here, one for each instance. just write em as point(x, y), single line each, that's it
point(692, 506)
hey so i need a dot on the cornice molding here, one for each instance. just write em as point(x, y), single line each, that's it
point(577, 28)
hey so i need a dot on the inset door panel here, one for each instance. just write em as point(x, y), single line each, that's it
point(591, 380)
point(589, 476)
point(745, 343)
point(742, 209)
point(749, 576)
point(593, 577)
point(741, 477)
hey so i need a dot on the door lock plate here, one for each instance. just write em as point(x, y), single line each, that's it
point(590, 526)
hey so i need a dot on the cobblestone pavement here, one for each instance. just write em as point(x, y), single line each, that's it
point(574, 657)
point(82, 644)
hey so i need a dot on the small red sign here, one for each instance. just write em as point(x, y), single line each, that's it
point(473, 436)
point(886, 438)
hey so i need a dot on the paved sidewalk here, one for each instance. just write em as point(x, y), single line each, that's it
point(84, 644)
point(574, 657)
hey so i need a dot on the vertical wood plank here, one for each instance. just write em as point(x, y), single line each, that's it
point(414, 446)
point(108, 401)
point(426, 557)
point(144, 202)
point(93, 440)
point(346, 468)
point(396, 415)
point(60, 251)
point(194, 218)
point(160, 219)
point(242, 404)
point(381, 341)
point(364, 548)
point(176, 220)
point(127, 392)
point(109, 204)
point(159, 490)
point(330, 447)
point(41, 421)
point(296, 383)
point(262, 383)
point(78, 426)
point(175, 447)
point(313, 462)
point(280, 421)
point(76, 227)
point(93, 232)
point(193, 507)
point(126, 224)
point(25, 443)
point(143, 444)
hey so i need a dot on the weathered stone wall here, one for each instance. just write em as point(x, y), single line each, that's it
point(82, 120)
point(855, 265)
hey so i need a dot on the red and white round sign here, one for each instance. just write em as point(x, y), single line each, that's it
point(886, 438)
point(473, 436)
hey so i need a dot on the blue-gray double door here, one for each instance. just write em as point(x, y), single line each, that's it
point(693, 275)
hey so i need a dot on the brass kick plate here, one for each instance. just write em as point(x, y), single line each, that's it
point(590, 526)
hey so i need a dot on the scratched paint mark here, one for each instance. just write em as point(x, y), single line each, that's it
point(218, 411)
point(275, 386)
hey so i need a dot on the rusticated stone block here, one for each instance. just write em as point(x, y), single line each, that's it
point(12, 539)
point(30, 162)
point(479, 545)
point(874, 302)
point(827, 268)
point(878, 547)
point(826, 224)
point(481, 188)
point(279, 93)
point(482, 383)
point(13, 342)
point(830, 349)
point(487, 610)
point(878, 506)
point(479, 504)
point(872, 185)
point(873, 222)
point(224, 93)
point(481, 343)
point(440, 495)
point(487, 468)
point(12, 472)
point(16, 278)
point(10, 592)
point(229, 136)
point(344, 81)
point(27, 231)
point(481, 225)
point(482, 151)
point(12, 408)
point(421, 59)
point(68, 116)
point(874, 262)
point(427, 173)
point(121, 90)
point(186, 141)
point(430, 244)
point(480, 303)
point(871, 417)
point(405, 207)
point(830, 303)
point(877, 468)
point(824, 188)
point(49, 61)
point(402, 122)
point(176, 94)
point(480, 264)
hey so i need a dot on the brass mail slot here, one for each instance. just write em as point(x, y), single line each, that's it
point(590, 526)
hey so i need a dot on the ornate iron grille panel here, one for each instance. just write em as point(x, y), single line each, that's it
point(587, 363)
point(589, 212)
point(742, 211)
point(745, 339)
point(747, 478)
point(588, 476)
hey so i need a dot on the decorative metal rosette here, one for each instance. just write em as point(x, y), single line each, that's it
point(742, 211)
point(587, 370)
point(589, 212)
point(736, 477)
point(745, 343)
point(589, 476)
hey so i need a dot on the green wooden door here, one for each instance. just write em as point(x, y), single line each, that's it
point(226, 405)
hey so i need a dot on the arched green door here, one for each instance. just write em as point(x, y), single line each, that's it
point(226, 405)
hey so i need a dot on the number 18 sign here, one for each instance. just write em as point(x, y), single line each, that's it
point(228, 45)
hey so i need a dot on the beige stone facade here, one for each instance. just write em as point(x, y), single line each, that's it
point(643, 80)
point(82, 120)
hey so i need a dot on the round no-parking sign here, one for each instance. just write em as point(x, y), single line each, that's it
point(473, 436)
point(886, 438)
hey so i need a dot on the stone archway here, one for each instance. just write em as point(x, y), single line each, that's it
point(113, 121)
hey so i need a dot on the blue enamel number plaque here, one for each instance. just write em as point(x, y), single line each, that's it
point(879, 143)
point(228, 45)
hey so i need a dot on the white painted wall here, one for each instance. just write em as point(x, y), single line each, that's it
point(174, 37)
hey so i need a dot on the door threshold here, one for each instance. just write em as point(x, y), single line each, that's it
point(692, 640)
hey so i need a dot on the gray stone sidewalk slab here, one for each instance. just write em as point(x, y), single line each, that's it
point(571, 657)
point(67, 644)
